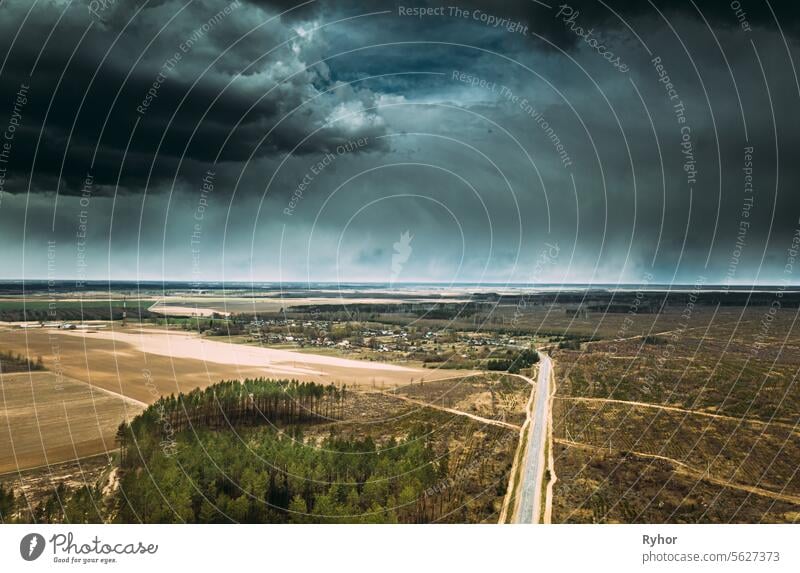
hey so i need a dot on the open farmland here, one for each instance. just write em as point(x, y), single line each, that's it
point(50, 419)
point(138, 366)
point(57, 308)
point(126, 361)
point(116, 366)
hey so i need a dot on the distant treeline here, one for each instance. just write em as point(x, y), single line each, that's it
point(71, 311)
point(649, 300)
point(426, 309)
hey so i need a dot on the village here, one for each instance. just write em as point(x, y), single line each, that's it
point(385, 342)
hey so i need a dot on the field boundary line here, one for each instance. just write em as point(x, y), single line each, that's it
point(54, 464)
point(499, 423)
point(692, 472)
point(755, 421)
point(663, 332)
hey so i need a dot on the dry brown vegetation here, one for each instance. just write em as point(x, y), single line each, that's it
point(657, 419)
point(695, 423)
point(636, 493)
point(492, 396)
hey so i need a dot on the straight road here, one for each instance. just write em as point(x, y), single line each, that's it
point(530, 488)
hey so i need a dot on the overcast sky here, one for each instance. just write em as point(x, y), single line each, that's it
point(275, 141)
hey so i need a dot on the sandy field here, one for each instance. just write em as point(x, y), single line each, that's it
point(50, 419)
point(143, 363)
point(172, 310)
point(179, 344)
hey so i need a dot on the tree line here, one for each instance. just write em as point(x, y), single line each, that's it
point(234, 402)
point(514, 364)
point(13, 362)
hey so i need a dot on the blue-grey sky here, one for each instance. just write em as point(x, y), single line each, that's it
point(203, 140)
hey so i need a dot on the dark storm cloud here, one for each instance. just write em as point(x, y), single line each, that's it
point(112, 89)
point(113, 79)
point(448, 161)
point(539, 15)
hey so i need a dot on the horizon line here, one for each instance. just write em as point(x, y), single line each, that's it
point(199, 284)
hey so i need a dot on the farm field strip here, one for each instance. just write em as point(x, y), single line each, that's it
point(51, 420)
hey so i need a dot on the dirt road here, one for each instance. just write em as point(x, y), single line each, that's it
point(490, 421)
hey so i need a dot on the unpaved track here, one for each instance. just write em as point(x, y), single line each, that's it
point(498, 423)
point(632, 403)
point(509, 502)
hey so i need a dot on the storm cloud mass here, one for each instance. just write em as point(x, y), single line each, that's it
point(400, 141)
